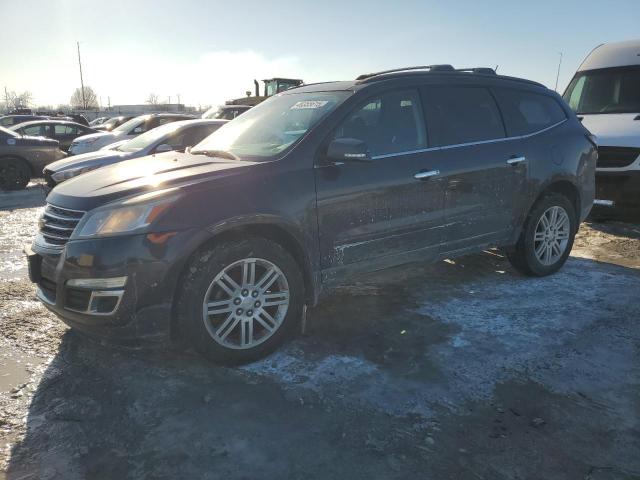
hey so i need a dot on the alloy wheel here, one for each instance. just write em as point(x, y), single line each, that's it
point(551, 236)
point(246, 303)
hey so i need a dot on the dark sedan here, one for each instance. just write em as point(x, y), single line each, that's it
point(23, 157)
point(63, 131)
point(175, 136)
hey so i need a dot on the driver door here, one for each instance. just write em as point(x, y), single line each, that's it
point(378, 211)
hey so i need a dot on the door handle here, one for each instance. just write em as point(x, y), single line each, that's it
point(426, 175)
point(516, 160)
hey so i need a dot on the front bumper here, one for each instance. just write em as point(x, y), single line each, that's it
point(138, 310)
point(620, 189)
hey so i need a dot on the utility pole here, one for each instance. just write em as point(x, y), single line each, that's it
point(84, 102)
point(558, 74)
point(6, 99)
point(178, 98)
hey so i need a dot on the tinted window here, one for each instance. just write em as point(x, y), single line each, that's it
point(458, 115)
point(527, 112)
point(390, 123)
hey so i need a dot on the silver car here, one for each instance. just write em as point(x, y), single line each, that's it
point(175, 136)
point(126, 131)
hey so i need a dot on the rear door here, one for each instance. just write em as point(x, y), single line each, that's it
point(65, 134)
point(379, 210)
point(484, 171)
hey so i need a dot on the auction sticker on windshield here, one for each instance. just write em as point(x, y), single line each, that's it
point(309, 104)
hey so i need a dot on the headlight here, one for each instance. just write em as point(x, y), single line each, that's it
point(67, 174)
point(122, 219)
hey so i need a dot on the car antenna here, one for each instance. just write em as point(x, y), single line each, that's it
point(496, 69)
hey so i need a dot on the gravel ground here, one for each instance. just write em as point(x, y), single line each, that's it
point(460, 370)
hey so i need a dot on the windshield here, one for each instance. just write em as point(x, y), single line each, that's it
point(607, 90)
point(8, 132)
point(148, 138)
point(131, 124)
point(272, 126)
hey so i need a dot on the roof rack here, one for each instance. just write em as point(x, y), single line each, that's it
point(429, 68)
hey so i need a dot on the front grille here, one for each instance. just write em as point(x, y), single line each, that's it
point(616, 157)
point(57, 224)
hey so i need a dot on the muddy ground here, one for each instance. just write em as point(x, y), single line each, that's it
point(459, 370)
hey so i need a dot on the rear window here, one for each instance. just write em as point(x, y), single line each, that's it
point(528, 112)
point(457, 115)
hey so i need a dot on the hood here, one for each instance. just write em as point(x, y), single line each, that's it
point(614, 129)
point(144, 174)
point(91, 159)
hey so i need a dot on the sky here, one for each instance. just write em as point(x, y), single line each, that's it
point(210, 51)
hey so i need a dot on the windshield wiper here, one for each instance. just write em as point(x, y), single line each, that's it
point(215, 153)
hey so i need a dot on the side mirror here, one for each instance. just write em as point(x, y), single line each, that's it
point(163, 148)
point(348, 150)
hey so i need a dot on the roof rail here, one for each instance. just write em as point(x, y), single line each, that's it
point(483, 70)
point(431, 68)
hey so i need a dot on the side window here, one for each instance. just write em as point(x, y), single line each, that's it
point(528, 112)
point(176, 140)
point(458, 115)
point(576, 88)
point(197, 134)
point(64, 129)
point(390, 123)
point(33, 130)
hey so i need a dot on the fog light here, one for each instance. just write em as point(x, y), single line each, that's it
point(97, 283)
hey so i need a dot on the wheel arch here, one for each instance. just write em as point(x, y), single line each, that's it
point(22, 159)
point(564, 187)
point(268, 227)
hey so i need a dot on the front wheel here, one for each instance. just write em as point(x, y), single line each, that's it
point(547, 237)
point(240, 300)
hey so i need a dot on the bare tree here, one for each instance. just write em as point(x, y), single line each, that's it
point(90, 99)
point(18, 100)
point(153, 99)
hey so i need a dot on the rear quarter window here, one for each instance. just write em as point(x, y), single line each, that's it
point(527, 112)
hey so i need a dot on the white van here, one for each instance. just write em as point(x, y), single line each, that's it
point(605, 93)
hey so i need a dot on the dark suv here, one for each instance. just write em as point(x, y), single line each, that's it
point(224, 245)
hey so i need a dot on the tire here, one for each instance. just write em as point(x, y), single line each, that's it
point(523, 255)
point(14, 174)
point(220, 337)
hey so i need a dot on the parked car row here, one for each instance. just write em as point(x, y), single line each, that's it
point(175, 136)
point(223, 245)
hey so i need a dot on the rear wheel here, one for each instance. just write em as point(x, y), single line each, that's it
point(14, 174)
point(547, 237)
point(240, 300)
